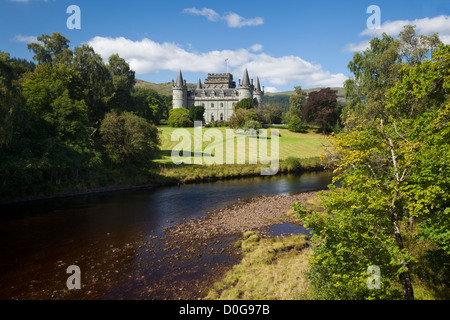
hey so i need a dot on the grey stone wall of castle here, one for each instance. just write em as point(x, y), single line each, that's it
point(217, 94)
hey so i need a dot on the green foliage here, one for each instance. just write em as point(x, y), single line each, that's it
point(151, 105)
point(241, 116)
point(272, 113)
point(296, 124)
point(281, 100)
point(129, 139)
point(122, 75)
point(297, 101)
point(96, 80)
point(393, 172)
point(424, 86)
point(50, 117)
point(416, 48)
point(196, 113)
point(246, 104)
point(375, 71)
point(179, 118)
point(53, 50)
point(252, 126)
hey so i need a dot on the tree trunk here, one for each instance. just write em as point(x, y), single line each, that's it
point(405, 277)
point(411, 224)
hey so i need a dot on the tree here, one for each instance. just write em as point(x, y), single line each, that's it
point(10, 99)
point(416, 48)
point(322, 109)
point(394, 174)
point(238, 120)
point(53, 50)
point(375, 72)
point(97, 82)
point(196, 113)
point(54, 99)
point(296, 124)
point(179, 117)
point(423, 87)
point(297, 101)
point(129, 139)
point(122, 75)
point(246, 103)
point(272, 113)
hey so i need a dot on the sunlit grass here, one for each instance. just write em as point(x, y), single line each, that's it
point(271, 269)
point(299, 145)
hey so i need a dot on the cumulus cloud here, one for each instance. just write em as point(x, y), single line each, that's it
point(210, 14)
point(149, 57)
point(27, 39)
point(256, 47)
point(356, 47)
point(232, 19)
point(425, 26)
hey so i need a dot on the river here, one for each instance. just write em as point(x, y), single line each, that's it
point(106, 235)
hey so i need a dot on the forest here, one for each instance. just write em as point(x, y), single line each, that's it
point(71, 121)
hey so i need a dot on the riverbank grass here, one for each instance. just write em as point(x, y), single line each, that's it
point(271, 269)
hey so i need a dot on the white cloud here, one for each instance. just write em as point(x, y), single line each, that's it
point(256, 47)
point(426, 26)
point(236, 21)
point(210, 14)
point(271, 90)
point(357, 47)
point(27, 39)
point(232, 19)
point(149, 57)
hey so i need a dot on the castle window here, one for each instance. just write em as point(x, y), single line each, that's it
point(212, 105)
point(212, 118)
point(221, 117)
point(221, 104)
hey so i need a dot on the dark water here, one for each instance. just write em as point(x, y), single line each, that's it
point(37, 236)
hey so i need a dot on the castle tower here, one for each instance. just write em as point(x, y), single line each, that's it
point(245, 88)
point(179, 92)
point(258, 94)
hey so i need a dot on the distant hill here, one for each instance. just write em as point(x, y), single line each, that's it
point(166, 89)
point(162, 88)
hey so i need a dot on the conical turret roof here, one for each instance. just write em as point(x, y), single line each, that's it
point(199, 84)
point(246, 79)
point(180, 81)
point(257, 86)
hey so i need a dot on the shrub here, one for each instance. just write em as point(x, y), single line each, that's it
point(129, 139)
point(179, 118)
point(296, 124)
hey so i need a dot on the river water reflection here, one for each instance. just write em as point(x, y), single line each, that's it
point(39, 237)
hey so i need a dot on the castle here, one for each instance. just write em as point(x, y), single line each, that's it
point(217, 94)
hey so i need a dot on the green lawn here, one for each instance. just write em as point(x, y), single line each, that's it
point(299, 145)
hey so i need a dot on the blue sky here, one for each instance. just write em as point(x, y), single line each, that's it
point(285, 43)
